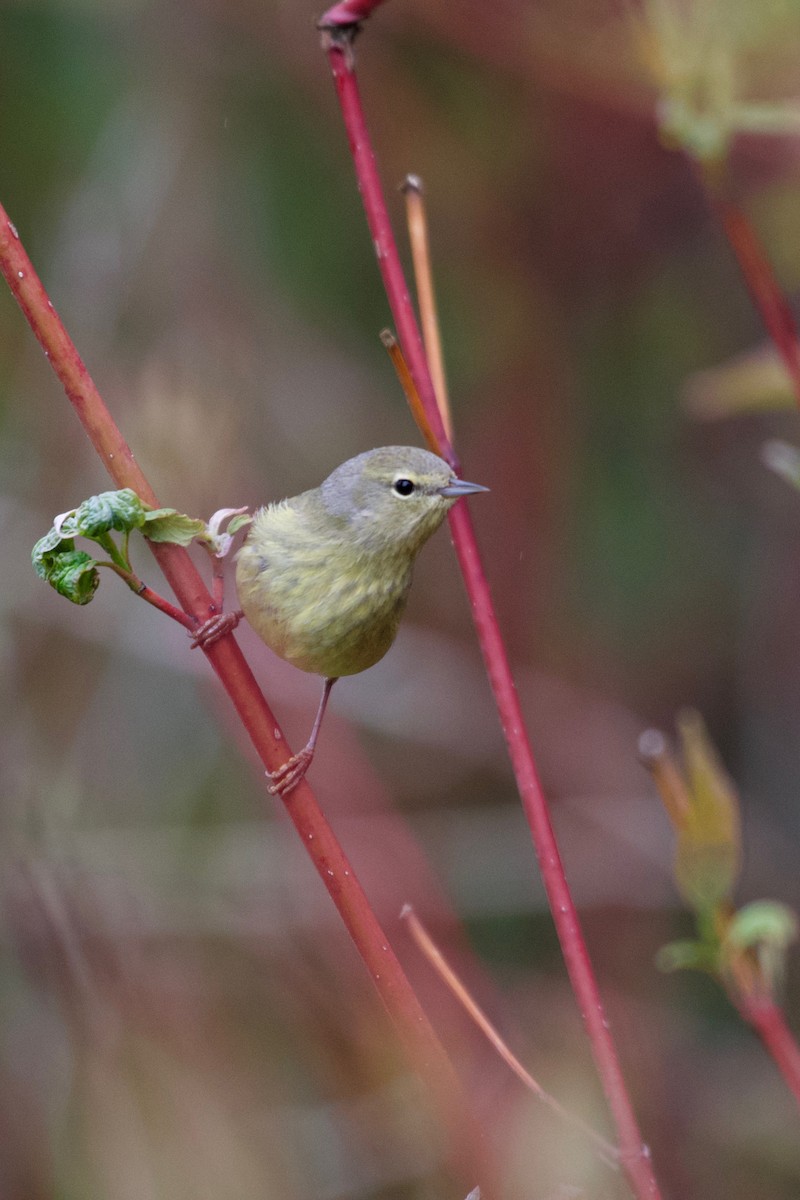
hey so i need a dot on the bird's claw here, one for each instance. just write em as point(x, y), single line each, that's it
point(289, 775)
point(214, 628)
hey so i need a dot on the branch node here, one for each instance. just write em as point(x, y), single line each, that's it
point(341, 38)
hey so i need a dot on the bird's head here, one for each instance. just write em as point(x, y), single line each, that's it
point(393, 498)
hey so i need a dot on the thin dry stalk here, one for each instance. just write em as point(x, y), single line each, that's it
point(417, 219)
point(428, 947)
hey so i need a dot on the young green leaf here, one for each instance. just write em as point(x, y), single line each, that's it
point(708, 856)
point(241, 522)
point(71, 572)
point(703, 807)
point(766, 928)
point(47, 549)
point(687, 955)
point(762, 921)
point(75, 576)
point(121, 510)
point(168, 525)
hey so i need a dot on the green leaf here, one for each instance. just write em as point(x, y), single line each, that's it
point(47, 549)
point(766, 929)
point(780, 119)
point(168, 525)
point(73, 574)
point(762, 921)
point(687, 956)
point(752, 382)
point(122, 510)
point(238, 523)
point(708, 854)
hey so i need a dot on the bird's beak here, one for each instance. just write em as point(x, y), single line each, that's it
point(460, 487)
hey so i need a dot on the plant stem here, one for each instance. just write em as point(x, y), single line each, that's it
point(349, 12)
point(762, 285)
point(421, 1043)
point(337, 42)
point(763, 1014)
point(410, 392)
point(428, 947)
point(634, 1156)
point(417, 221)
point(117, 556)
point(767, 1019)
point(141, 589)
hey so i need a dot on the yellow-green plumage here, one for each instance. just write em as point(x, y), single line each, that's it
point(323, 577)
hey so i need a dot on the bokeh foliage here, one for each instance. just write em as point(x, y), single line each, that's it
point(180, 1014)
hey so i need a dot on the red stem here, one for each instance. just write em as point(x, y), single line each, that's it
point(762, 285)
point(337, 42)
point(164, 606)
point(770, 1024)
point(349, 12)
point(236, 677)
point(764, 1015)
point(634, 1156)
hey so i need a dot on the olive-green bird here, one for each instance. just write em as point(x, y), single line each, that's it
point(323, 577)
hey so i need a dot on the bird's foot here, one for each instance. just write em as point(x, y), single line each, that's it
point(215, 628)
point(289, 775)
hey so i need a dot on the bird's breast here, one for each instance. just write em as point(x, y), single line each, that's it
point(327, 608)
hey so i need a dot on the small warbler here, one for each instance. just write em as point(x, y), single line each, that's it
point(323, 577)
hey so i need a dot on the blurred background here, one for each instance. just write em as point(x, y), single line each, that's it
point(181, 1014)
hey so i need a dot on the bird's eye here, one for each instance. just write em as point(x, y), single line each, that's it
point(404, 487)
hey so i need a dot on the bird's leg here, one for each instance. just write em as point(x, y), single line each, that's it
point(221, 623)
point(289, 775)
point(214, 628)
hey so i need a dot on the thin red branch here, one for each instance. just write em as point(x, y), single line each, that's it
point(763, 1014)
point(151, 596)
point(226, 658)
point(338, 45)
point(164, 606)
point(349, 12)
point(762, 285)
point(634, 1155)
point(767, 1019)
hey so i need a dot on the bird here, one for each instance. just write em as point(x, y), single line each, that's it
point(323, 577)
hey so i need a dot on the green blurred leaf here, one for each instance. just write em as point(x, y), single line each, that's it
point(698, 54)
point(762, 921)
point(687, 955)
point(779, 119)
point(765, 928)
point(709, 844)
point(756, 381)
point(703, 135)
